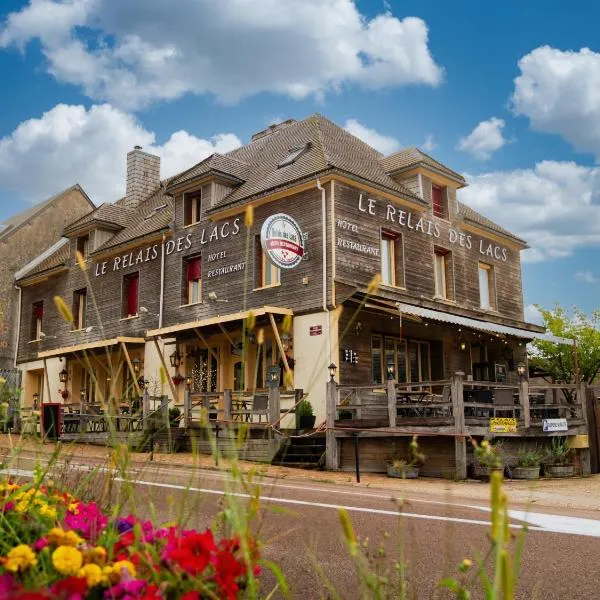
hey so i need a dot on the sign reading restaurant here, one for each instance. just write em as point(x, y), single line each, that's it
point(421, 224)
point(206, 234)
point(282, 241)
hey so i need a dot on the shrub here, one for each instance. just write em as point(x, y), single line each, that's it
point(529, 458)
point(559, 452)
point(304, 409)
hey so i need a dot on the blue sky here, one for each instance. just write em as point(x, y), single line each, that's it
point(506, 93)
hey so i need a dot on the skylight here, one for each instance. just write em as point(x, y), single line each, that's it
point(294, 155)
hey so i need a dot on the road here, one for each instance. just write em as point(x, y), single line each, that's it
point(300, 529)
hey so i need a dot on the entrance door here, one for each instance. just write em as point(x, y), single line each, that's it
point(204, 370)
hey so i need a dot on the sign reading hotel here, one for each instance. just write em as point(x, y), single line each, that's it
point(282, 241)
point(503, 425)
point(184, 242)
point(408, 220)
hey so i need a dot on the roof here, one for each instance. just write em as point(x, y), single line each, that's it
point(466, 213)
point(110, 214)
point(330, 148)
point(444, 317)
point(154, 214)
point(410, 158)
point(9, 226)
point(56, 256)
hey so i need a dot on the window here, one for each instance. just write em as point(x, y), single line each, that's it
point(267, 355)
point(392, 259)
point(203, 368)
point(294, 154)
point(131, 284)
point(487, 295)
point(79, 309)
point(439, 201)
point(193, 280)
point(83, 246)
point(37, 317)
point(192, 208)
point(441, 268)
point(398, 354)
point(267, 274)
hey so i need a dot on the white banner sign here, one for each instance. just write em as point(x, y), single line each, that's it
point(550, 425)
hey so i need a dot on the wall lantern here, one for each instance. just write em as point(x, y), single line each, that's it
point(136, 362)
point(175, 359)
point(142, 383)
point(273, 376)
point(63, 376)
point(521, 370)
point(36, 400)
point(188, 381)
point(251, 338)
point(82, 394)
point(357, 328)
point(286, 338)
point(390, 372)
point(462, 345)
point(332, 369)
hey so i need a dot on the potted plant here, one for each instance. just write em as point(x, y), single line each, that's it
point(305, 416)
point(406, 468)
point(559, 459)
point(528, 464)
point(488, 458)
point(174, 414)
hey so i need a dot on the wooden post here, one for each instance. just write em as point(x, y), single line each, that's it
point(391, 398)
point(227, 401)
point(134, 375)
point(524, 402)
point(145, 409)
point(581, 400)
point(187, 406)
point(279, 344)
point(47, 377)
point(274, 404)
point(331, 448)
point(458, 409)
point(164, 409)
point(164, 366)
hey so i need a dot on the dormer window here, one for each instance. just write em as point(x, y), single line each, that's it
point(192, 208)
point(83, 246)
point(294, 155)
point(439, 201)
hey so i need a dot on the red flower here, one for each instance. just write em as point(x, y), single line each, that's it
point(190, 596)
point(71, 588)
point(191, 551)
point(152, 592)
point(227, 570)
point(127, 539)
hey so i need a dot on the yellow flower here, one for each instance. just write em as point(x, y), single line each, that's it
point(20, 558)
point(81, 260)
point(92, 574)
point(465, 565)
point(2, 381)
point(63, 309)
point(113, 573)
point(73, 508)
point(56, 536)
point(99, 554)
point(48, 511)
point(67, 560)
point(72, 539)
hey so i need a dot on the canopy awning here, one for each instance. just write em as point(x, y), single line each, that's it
point(238, 316)
point(444, 317)
point(90, 346)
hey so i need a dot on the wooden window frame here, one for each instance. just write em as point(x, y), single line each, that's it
point(396, 257)
point(192, 208)
point(264, 265)
point(399, 346)
point(188, 285)
point(79, 309)
point(442, 254)
point(125, 313)
point(443, 211)
point(491, 286)
point(37, 322)
point(82, 245)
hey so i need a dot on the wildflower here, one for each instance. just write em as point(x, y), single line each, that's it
point(55, 536)
point(251, 321)
point(131, 588)
point(21, 557)
point(71, 588)
point(374, 284)
point(40, 544)
point(465, 565)
point(67, 560)
point(63, 309)
point(99, 554)
point(120, 569)
point(88, 521)
point(92, 574)
point(47, 511)
point(191, 551)
point(227, 570)
point(81, 260)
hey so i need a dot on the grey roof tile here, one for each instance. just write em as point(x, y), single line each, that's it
point(414, 157)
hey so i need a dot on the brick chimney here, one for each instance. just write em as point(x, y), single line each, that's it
point(143, 176)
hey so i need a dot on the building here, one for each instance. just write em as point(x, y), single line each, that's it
point(305, 247)
point(25, 238)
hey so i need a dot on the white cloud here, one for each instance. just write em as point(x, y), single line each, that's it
point(554, 206)
point(559, 92)
point(484, 140)
point(429, 144)
point(533, 315)
point(586, 277)
point(384, 143)
point(70, 144)
point(132, 53)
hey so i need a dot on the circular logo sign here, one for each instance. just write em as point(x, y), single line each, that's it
point(282, 241)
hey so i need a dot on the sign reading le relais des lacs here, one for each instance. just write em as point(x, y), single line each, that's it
point(282, 241)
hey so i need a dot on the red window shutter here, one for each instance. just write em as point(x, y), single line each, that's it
point(436, 194)
point(132, 295)
point(194, 269)
point(38, 311)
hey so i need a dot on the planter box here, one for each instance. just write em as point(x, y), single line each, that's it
point(306, 422)
point(525, 472)
point(402, 472)
point(559, 470)
point(484, 473)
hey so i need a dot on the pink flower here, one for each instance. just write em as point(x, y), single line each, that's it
point(40, 544)
point(88, 522)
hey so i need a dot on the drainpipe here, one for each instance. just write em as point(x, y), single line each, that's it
point(162, 283)
point(18, 288)
point(324, 250)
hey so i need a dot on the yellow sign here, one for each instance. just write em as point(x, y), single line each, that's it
point(499, 425)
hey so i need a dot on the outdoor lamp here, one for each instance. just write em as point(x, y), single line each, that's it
point(285, 341)
point(175, 359)
point(462, 345)
point(188, 380)
point(390, 372)
point(36, 399)
point(63, 375)
point(82, 394)
point(136, 364)
point(521, 370)
point(332, 369)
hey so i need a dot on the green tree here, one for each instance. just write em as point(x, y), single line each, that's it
point(559, 359)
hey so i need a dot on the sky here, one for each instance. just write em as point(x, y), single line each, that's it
point(507, 93)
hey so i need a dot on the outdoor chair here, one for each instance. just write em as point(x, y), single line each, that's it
point(260, 407)
point(504, 403)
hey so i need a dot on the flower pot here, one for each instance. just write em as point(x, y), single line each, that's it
point(306, 421)
point(405, 472)
point(525, 472)
point(559, 470)
point(484, 473)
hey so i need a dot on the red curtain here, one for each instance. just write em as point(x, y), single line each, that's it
point(38, 310)
point(132, 295)
point(194, 269)
point(436, 194)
